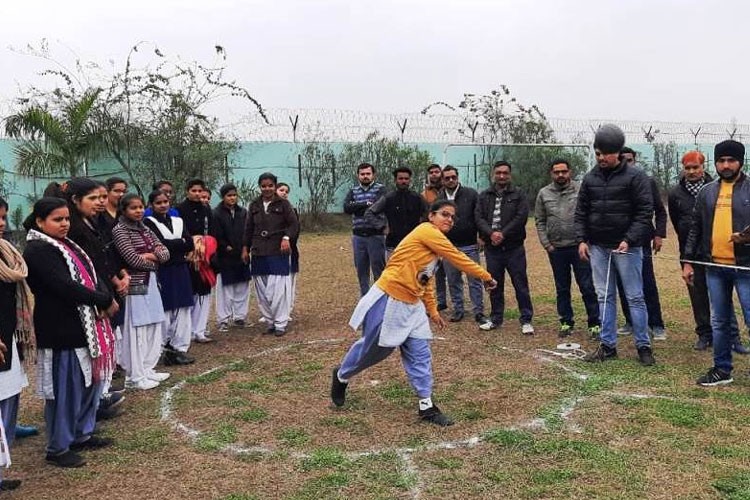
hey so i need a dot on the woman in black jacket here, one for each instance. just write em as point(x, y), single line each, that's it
point(233, 280)
point(86, 200)
point(74, 340)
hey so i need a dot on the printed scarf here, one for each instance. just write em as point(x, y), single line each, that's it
point(99, 337)
point(694, 187)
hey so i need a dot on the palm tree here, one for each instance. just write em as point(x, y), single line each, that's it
point(58, 144)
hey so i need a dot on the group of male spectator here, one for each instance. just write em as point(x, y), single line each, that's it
point(603, 232)
point(494, 220)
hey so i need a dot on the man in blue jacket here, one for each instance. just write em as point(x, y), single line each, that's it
point(368, 239)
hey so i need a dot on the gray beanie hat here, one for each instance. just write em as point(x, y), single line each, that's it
point(609, 139)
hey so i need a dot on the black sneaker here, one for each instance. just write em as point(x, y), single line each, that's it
point(703, 343)
point(9, 484)
point(433, 415)
point(602, 353)
point(713, 377)
point(338, 388)
point(172, 358)
point(107, 413)
point(69, 459)
point(646, 355)
point(480, 318)
point(456, 317)
point(111, 400)
point(92, 443)
point(442, 307)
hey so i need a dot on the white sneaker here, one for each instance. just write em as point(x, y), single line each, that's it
point(488, 325)
point(158, 376)
point(143, 384)
point(625, 329)
point(527, 329)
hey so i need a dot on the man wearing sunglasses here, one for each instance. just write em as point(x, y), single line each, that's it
point(463, 235)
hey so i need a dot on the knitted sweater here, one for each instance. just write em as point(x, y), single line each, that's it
point(415, 259)
point(131, 240)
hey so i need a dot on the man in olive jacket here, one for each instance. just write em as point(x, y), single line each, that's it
point(553, 215)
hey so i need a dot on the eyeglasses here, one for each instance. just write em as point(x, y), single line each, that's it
point(450, 177)
point(449, 215)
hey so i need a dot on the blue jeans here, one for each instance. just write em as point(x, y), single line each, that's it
point(720, 283)
point(369, 255)
point(650, 292)
point(563, 260)
point(628, 267)
point(456, 283)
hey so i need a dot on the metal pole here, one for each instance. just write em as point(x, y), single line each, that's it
point(299, 169)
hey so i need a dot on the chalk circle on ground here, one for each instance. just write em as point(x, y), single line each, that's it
point(169, 415)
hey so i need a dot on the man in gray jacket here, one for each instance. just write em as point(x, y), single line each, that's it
point(554, 213)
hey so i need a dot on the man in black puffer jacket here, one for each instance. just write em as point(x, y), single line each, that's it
point(612, 223)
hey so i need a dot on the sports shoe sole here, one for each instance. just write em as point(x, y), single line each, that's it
point(714, 384)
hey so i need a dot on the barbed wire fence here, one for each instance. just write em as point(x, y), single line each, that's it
point(299, 125)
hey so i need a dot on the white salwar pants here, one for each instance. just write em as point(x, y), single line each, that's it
point(176, 330)
point(273, 294)
point(232, 301)
point(292, 292)
point(141, 350)
point(199, 315)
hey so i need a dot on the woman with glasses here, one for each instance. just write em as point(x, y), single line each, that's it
point(398, 308)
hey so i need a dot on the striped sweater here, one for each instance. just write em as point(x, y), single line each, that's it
point(132, 239)
point(356, 203)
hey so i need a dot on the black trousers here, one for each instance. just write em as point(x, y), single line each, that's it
point(514, 262)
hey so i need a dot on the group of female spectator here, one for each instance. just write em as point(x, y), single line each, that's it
point(127, 288)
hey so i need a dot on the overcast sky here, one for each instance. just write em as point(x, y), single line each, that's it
point(640, 60)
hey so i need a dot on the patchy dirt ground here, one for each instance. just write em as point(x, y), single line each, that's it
point(529, 425)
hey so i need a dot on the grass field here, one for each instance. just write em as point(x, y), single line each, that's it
point(251, 419)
